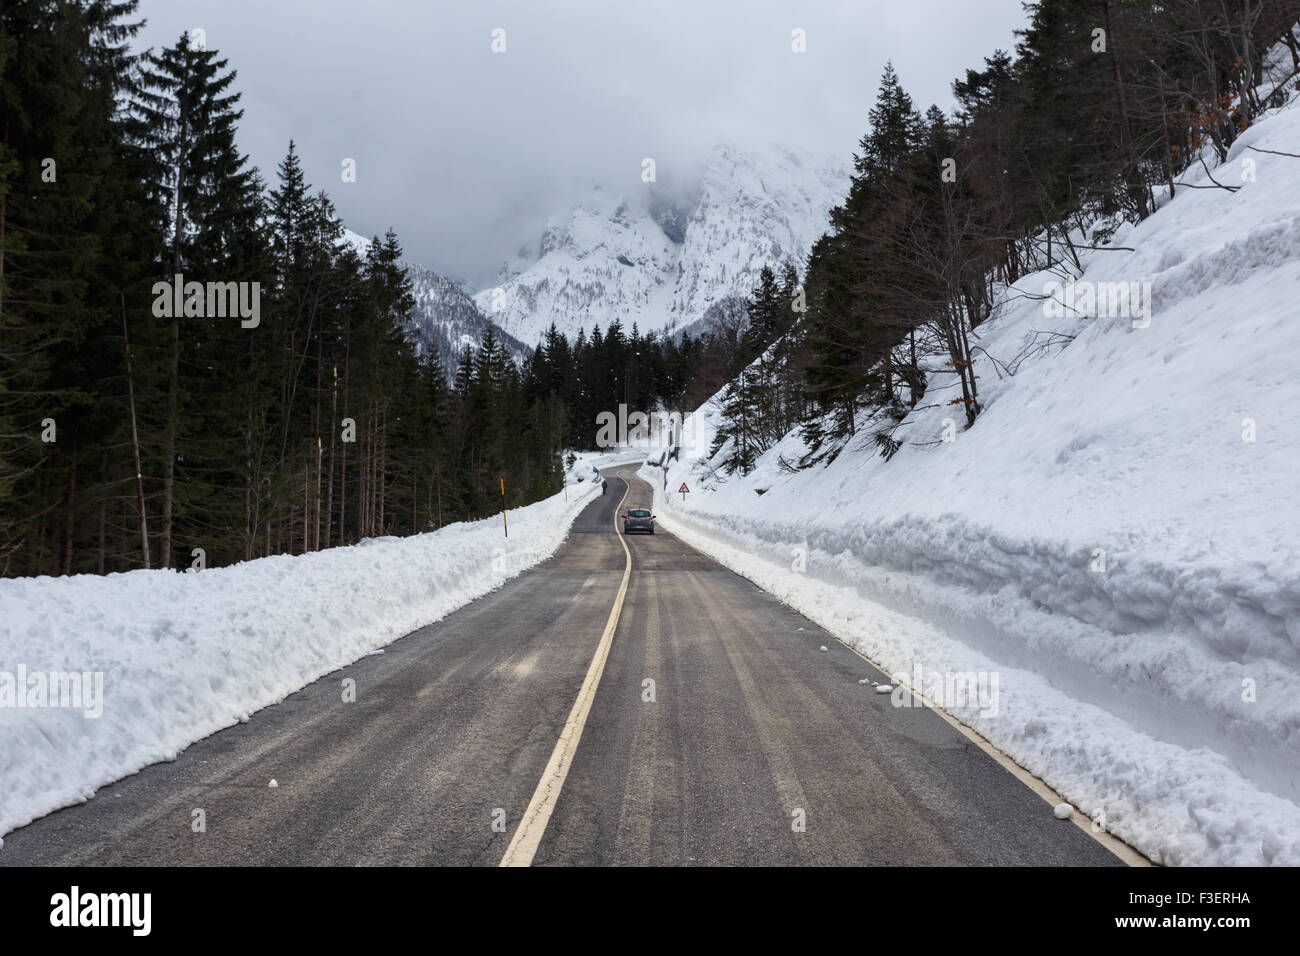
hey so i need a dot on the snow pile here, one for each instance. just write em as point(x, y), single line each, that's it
point(1116, 537)
point(184, 655)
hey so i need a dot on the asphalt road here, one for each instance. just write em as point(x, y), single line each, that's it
point(750, 747)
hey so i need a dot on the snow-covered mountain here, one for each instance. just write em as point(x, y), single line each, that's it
point(446, 317)
point(663, 262)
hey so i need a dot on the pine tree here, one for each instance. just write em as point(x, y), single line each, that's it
point(191, 115)
point(71, 251)
point(736, 428)
point(850, 336)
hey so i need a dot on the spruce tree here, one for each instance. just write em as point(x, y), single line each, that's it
point(190, 113)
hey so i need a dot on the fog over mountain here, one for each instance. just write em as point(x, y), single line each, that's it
point(662, 260)
point(468, 153)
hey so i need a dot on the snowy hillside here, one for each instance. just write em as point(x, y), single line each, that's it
point(1117, 537)
point(644, 259)
point(446, 317)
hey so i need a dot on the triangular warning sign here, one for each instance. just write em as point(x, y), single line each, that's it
point(683, 489)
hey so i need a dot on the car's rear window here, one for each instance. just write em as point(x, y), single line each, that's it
point(639, 513)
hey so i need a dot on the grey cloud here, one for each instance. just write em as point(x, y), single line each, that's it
point(465, 152)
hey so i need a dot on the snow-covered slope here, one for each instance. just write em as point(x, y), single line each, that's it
point(660, 263)
point(446, 317)
point(1117, 537)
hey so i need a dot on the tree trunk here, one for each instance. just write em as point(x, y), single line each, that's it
point(363, 463)
point(173, 371)
point(69, 518)
point(343, 452)
point(135, 441)
point(103, 522)
point(383, 448)
point(329, 484)
point(315, 507)
point(1131, 170)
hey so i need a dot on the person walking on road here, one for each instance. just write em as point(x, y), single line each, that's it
point(603, 485)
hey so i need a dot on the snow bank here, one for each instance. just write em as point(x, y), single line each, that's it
point(1117, 536)
point(184, 655)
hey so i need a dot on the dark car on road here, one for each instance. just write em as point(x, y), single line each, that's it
point(638, 519)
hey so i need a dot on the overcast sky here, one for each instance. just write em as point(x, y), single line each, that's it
point(465, 152)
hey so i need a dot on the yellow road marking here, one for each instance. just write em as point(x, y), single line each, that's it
point(528, 837)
